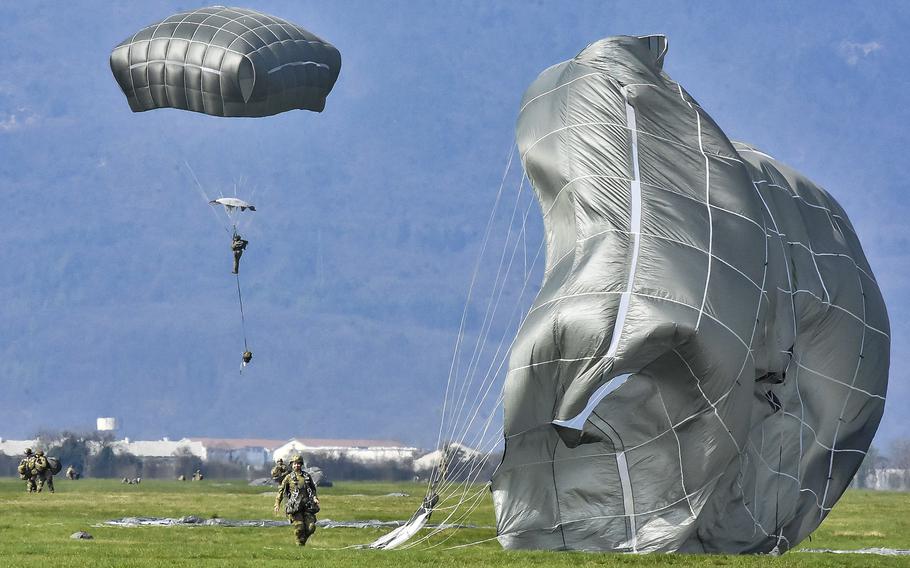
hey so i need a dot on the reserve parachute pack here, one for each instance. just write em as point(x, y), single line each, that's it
point(293, 504)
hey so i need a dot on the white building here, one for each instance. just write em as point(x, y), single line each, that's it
point(163, 448)
point(16, 447)
point(363, 451)
point(256, 452)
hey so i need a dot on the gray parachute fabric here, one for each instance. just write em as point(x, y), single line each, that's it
point(225, 62)
point(706, 363)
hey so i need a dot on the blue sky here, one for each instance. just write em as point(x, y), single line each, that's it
point(117, 299)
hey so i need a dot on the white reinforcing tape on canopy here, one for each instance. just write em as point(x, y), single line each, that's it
point(578, 421)
point(627, 502)
point(297, 63)
point(634, 229)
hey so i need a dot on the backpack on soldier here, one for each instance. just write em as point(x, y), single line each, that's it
point(54, 465)
point(23, 469)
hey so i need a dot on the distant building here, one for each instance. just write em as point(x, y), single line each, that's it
point(363, 451)
point(256, 452)
point(106, 424)
point(16, 447)
point(163, 448)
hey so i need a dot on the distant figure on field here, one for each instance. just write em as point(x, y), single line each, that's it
point(27, 471)
point(197, 475)
point(301, 502)
point(238, 245)
point(45, 475)
point(181, 477)
point(280, 470)
point(71, 473)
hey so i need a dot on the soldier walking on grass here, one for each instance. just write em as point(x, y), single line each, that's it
point(301, 503)
point(27, 471)
point(280, 470)
point(44, 473)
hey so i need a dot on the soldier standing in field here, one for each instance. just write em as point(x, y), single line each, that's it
point(301, 503)
point(27, 471)
point(280, 470)
point(44, 473)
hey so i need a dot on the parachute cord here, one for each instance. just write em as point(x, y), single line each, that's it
point(242, 318)
point(461, 327)
point(205, 196)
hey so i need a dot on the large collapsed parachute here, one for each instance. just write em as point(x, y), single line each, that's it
point(706, 363)
point(225, 62)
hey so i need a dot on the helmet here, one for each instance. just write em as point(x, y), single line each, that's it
point(39, 453)
point(279, 460)
point(28, 451)
point(297, 459)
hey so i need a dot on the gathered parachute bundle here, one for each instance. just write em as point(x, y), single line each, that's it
point(705, 364)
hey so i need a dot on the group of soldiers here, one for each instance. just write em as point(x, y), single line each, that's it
point(298, 491)
point(35, 470)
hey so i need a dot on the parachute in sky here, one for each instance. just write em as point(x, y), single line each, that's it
point(706, 363)
point(225, 62)
point(231, 204)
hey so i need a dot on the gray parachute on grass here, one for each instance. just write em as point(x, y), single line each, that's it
point(225, 62)
point(706, 363)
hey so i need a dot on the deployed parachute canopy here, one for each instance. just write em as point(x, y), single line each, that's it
point(225, 62)
point(231, 204)
point(706, 363)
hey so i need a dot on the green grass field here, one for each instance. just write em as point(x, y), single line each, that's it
point(35, 530)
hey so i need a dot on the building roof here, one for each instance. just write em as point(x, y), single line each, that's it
point(341, 443)
point(238, 443)
point(158, 448)
point(241, 443)
point(16, 447)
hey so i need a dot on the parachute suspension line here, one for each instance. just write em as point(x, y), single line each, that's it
point(490, 380)
point(204, 195)
point(490, 375)
point(490, 312)
point(476, 467)
point(466, 417)
point(483, 339)
point(242, 318)
point(464, 313)
point(475, 464)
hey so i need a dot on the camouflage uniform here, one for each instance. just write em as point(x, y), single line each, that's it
point(280, 471)
point(27, 471)
point(238, 245)
point(43, 470)
point(303, 521)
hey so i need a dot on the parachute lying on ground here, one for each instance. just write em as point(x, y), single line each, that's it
point(225, 62)
point(706, 363)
